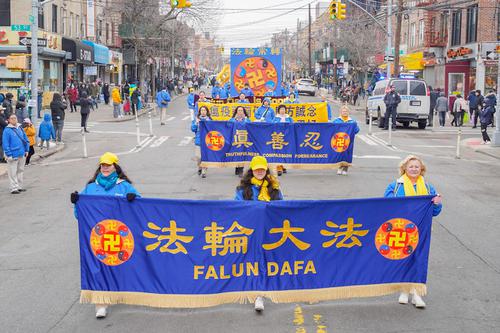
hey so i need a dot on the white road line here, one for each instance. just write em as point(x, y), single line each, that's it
point(185, 141)
point(158, 142)
point(430, 146)
point(383, 157)
point(366, 140)
point(169, 119)
point(142, 144)
point(186, 118)
point(383, 143)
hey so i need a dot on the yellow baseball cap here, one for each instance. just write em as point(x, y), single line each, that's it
point(108, 158)
point(258, 162)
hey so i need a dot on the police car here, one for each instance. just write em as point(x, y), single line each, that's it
point(414, 106)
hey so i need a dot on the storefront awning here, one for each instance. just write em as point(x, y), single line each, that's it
point(101, 52)
point(410, 62)
point(79, 52)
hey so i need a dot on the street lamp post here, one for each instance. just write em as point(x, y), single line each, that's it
point(496, 134)
point(34, 60)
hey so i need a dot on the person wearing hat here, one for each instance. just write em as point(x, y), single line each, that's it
point(108, 179)
point(391, 101)
point(30, 131)
point(190, 103)
point(8, 105)
point(259, 185)
point(265, 112)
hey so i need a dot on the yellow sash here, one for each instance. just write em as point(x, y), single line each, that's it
point(410, 190)
point(263, 184)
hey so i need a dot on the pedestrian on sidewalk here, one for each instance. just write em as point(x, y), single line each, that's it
point(486, 118)
point(134, 100)
point(259, 185)
point(411, 183)
point(72, 93)
point(106, 93)
point(391, 100)
point(3, 124)
point(109, 179)
point(58, 111)
point(15, 145)
point(190, 103)
point(240, 116)
point(46, 131)
point(459, 108)
point(85, 104)
point(162, 99)
point(491, 100)
point(203, 115)
point(441, 108)
point(117, 102)
point(94, 94)
point(434, 95)
point(476, 101)
point(342, 119)
point(30, 131)
point(21, 109)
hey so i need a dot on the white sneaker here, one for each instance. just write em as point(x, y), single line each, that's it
point(417, 301)
point(259, 304)
point(100, 311)
point(403, 298)
point(344, 173)
point(339, 171)
point(61, 143)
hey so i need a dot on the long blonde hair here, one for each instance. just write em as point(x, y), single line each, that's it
point(408, 159)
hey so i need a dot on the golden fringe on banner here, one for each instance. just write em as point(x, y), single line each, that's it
point(242, 297)
point(305, 166)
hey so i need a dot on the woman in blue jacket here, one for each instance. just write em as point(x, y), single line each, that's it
point(203, 115)
point(265, 112)
point(259, 185)
point(239, 116)
point(108, 179)
point(190, 103)
point(344, 118)
point(411, 183)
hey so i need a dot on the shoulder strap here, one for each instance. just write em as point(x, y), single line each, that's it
point(20, 137)
point(396, 189)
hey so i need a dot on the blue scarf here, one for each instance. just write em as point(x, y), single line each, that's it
point(107, 182)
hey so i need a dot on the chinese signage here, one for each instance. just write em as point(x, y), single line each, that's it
point(186, 253)
point(299, 145)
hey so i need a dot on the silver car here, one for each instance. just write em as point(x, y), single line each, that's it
point(306, 86)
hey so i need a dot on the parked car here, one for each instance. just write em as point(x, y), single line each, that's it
point(306, 86)
point(414, 106)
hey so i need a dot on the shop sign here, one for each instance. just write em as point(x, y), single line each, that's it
point(90, 70)
point(461, 52)
point(86, 55)
point(3, 37)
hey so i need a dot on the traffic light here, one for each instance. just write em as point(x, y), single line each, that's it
point(333, 9)
point(180, 3)
point(341, 12)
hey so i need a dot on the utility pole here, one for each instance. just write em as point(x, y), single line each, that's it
point(397, 38)
point(496, 134)
point(173, 50)
point(389, 37)
point(34, 60)
point(297, 44)
point(309, 43)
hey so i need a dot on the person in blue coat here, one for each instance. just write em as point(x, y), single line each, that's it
point(162, 99)
point(411, 183)
point(108, 179)
point(284, 90)
point(190, 103)
point(216, 90)
point(247, 91)
point(269, 92)
point(223, 93)
point(344, 118)
point(15, 145)
point(242, 99)
point(265, 112)
point(46, 130)
point(486, 118)
point(203, 115)
point(240, 116)
point(291, 99)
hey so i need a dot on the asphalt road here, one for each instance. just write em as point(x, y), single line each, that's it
point(39, 255)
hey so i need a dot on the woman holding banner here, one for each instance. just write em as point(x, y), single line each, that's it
point(291, 99)
point(242, 99)
point(265, 112)
point(203, 115)
point(259, 185)
point(282, 117)
point(344, 118)
point(411, 183)
point(239, 116)
point(108, 179)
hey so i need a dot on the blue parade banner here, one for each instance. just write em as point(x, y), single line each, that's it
point(186, 253)
point(259, 67)
point(297, 145)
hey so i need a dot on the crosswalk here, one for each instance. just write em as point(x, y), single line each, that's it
point(75, 126)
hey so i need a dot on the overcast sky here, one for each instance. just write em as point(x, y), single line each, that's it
point(237, 28)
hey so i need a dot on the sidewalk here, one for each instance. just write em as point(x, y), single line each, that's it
point(476, 145)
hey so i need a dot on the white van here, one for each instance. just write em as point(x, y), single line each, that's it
point(414, 106)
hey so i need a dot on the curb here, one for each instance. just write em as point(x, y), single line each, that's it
point(36, 158)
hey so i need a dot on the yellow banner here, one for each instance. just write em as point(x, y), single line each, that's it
point(224, 74)
point(301, 112)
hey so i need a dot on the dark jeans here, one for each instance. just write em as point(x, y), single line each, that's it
point(106, 99)
point(474, 113)
point(431, 116)
point(72, 106)
point(484, 128)
point(31, 152)
point(458, 119)
point(85, 116)
point(134, 106)
point(58, 128)
point(391, 111)
point(442, 118)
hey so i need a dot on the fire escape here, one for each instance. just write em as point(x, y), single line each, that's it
point(435, 32)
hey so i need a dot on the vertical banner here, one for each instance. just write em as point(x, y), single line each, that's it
point(259, 67)
point(90, 18)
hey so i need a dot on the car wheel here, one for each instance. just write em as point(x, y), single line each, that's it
point(422, 124)
point(406, 124)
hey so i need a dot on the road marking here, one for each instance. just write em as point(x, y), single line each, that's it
point(158, 142)
point(366, 140)
point(430, 146)
point(186, 118)
point(143, 144)
point(383, 143)
point(169, 119)
point(185, 141)
point(383, 157)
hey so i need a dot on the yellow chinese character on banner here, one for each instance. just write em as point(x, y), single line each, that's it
point(262, 51)
point(171, 235)
point(249, 51)
point(349, 234)
point(234, 240)
point(236, 51)
point(287, 233)
point(277, 141)
point(311, 141)
point(241, 139)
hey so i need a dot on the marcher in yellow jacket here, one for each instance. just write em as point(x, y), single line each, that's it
point(117, 101)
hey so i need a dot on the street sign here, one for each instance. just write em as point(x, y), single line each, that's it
point(20, 27)
point(26, 41)
point(491, 55)
point(389, 58)
point(32, 103)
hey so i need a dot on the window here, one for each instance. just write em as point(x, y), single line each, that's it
point(421, 32)
point(41, 17)
point(456, 28)
point(70, 24)
point(471, 35)
point(417, 88)
point(413, 34)
point(443, 28)
point(62, 19)
point(107, 33)
point(100, 28)
point(401, 87)
point(4, 12)
point(54, 18)
point(77, 26)
point(84, 26)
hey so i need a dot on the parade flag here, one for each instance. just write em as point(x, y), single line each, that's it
point(224, 75)
point(298, 145)
point(300, 112)
point(259, 67)
point(187, 253)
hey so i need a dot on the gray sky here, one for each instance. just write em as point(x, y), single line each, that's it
point(236, 27)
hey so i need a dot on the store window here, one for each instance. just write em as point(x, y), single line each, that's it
point(456, 28)
point(471, 35)
point(456, 83)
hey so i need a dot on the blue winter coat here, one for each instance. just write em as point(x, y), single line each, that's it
point(162, 96)
point(245, 121)
point(216, 91)
point(473, 100)
point(247, 91)
point(295, 101)
point(223, 94)
point(46, 130)
point(190, 101)
point(196, 130)
point(15, 143)
point(269, 94)
point(121, 188)
point(284, 91)
point(490, 100)
point(255, 194)
point(269, 116)
point(350, 121)
point(242, 101)
point(486, 115)
point(397, 189)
